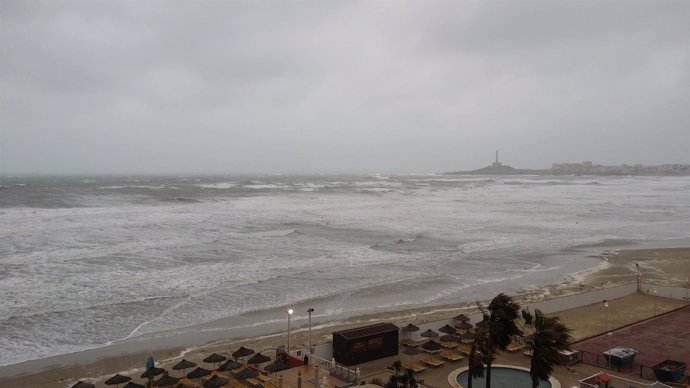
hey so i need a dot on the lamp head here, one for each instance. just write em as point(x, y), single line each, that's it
point(290, 311)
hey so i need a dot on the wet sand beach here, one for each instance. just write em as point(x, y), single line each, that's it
point(658, 265)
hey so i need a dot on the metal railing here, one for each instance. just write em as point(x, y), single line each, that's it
point(643, 371)
point(336, 370)
point(617, 381)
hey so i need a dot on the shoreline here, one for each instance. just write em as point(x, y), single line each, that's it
point(659, 260)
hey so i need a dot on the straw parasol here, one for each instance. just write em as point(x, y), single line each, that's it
point(431, 346)
point(198, 373)
point(410, 328)
point(184, 365)
point(214, 359)
point(242, 352)
point(429, 334)
point(246, 373)
point(152, 372)
point(484, 323)
point(132, 384)
point(448, 329)
point(463, 325)
point(275, 366)
point(229, 365)
point(467, 337)
point(117, 380)
point(461, 318)
point(81, 384)
point(166, 381)
point(216, 381)
point(258, 358)
point(448, 338)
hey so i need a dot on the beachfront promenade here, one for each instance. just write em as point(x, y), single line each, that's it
point(584, 312)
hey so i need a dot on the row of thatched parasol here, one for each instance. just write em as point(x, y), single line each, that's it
point(228, 364)
point(460, 332)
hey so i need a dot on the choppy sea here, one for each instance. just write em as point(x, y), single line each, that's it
point(87, 261)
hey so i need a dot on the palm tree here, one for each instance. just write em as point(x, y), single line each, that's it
point(547, 336)
point(502, 315)
point(476, 357)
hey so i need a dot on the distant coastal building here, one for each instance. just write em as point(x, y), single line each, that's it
point(584, 168)
point(588, 168)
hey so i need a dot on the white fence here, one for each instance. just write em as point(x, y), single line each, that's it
point(620, 382)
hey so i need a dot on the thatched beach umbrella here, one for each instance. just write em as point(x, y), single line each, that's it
point(461, 318)
point(229, 365)
point(467, 337)
point(247, 373)
point(242, 352)
point(214, 359)
point(132, 384)
point(431, 346)
point(429, 334)
point(166, 381)
point(117, 380)
point(184, 365)
point(448, 338)
point(81, 384)
point(215, 382)
point(152, 372)
point(448, 329)
point(258, 358)
point(410, 328)
point(198, 373)
point(484, 323)
point(275, 366)
point(463, 325)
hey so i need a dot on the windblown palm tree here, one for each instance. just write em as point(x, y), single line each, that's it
point(547, 336)
point(502, 315)
point(476, 357)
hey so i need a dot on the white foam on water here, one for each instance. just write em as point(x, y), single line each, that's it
point(132, 265)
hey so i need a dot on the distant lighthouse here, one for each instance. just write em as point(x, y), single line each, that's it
point(496, 163)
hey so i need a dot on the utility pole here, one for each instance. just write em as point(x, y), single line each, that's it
point(310, 310)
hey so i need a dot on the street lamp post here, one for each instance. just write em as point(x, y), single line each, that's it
point(289, 313)
point(609, 335)
point(687, 287)
point(606, 316)
point(310, 310)
point(655, 303)
point(639, 284)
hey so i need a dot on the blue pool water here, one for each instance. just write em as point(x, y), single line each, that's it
point(502, 377)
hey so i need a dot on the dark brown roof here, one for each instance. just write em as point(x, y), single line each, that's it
point(367, 331)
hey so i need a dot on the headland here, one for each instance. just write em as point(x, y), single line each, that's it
point(584, 168)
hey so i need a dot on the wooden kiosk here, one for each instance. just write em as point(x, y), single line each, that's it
point(362, 344)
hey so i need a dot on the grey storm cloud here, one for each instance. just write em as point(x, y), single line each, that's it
point(231, 87)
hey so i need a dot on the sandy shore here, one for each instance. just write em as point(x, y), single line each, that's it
point(658, 265)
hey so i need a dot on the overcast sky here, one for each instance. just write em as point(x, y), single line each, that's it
point(326, 86)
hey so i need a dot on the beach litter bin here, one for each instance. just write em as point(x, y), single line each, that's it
point(670, 370)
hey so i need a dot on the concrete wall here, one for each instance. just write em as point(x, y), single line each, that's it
point(680, 293)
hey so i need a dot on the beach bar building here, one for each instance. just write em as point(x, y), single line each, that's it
point(362, 344)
